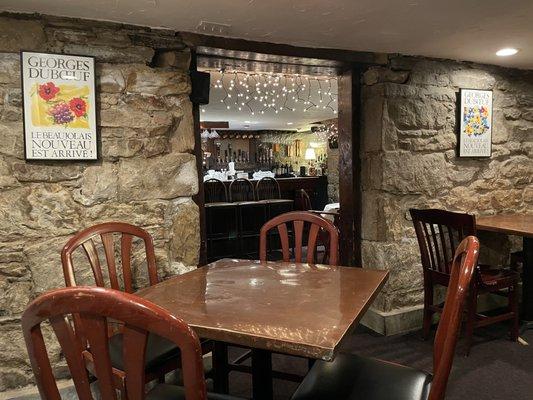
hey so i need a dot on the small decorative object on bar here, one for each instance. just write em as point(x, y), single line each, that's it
point(59, 107)
point(475, 128)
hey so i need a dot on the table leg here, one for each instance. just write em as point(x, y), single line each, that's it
point(220, 368)
point(262, 374)
point(527, 282)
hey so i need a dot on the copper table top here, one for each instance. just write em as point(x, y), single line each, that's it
point(512, 224)
point(286, 307)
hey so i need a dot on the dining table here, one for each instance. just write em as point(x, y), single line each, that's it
point(284, 307)
point(518, 225)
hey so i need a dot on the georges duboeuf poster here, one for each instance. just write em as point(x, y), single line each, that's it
point(59, 107)
point(475, 135)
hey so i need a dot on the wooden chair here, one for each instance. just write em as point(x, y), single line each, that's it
point(162, 355)
point(303, 201)
point(241, 189)
point(267, 188)
point(107, 232)
point(438, 232)
point(215, 191)
point(140, 318)
point(352, 377)
point(320, 230)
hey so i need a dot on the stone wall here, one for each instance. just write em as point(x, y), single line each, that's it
point(409, 160)
point(146, 174)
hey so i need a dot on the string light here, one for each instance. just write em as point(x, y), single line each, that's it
point(278, 93)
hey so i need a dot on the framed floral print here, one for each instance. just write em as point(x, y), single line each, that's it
point(58, 93)
point(475, 128)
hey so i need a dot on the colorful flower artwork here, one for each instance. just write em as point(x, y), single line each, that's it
point(59, 97)
point(65, 105)
point(476, 120)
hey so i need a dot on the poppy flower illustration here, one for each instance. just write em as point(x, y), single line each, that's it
point(78, 106)
point(48, 91)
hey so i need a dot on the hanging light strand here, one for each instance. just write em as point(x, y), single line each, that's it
point(269, 92)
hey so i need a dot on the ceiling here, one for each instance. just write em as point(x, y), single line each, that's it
point(304, 88)
point(456, 29)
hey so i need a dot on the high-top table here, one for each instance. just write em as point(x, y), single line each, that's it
point(289, 308)
point(519, 225)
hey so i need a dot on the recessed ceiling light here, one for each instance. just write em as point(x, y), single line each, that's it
point(509, 51)
point(246, 122)
point(289, 123)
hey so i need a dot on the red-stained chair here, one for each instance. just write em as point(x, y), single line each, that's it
point(438, 232)
point(162, 356)
point(352, 377)
point(319, 230)
point(94, 306)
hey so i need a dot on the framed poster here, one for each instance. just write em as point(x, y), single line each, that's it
point(475, 131)
point(59, 107)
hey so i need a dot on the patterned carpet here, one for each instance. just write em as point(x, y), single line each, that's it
point(497, 369)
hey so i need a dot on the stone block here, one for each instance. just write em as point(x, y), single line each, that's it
point(25, 172)
point(108, 54)
point(162, 177)
point(174, 59)
point(17, 34)
point(185, 232)
point(9, 69)
point(99, 184)
point(472, 78)
point(381, 74)
point(110, 78)
point(182, 137)
point(12, 143)
point(372, 125)
point(157, 82)
point(405, 172)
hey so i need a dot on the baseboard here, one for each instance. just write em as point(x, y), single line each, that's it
point(409, 319)
point(393, 322)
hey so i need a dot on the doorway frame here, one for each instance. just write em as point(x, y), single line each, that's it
point(350, 66)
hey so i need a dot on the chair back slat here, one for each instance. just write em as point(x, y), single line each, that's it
point(95, 330)
point(106, 232)
point(438, 232)
point(298, 240)
point(44, 377)
point(72, 348)
point(462, 270)
point(312, 243)
point(241, 189)
point(284, 238)
point(325, 230)
point(92, 255)
point(134, 362)
point(215, 191)
point(109, 248)
point(95, 306)
point(267, 188)
point(125, 251)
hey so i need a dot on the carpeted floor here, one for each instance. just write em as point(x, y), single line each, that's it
point(497, 369)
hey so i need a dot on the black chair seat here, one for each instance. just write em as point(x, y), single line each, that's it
point(352, 377)
point(158, 351)
point(172, 392)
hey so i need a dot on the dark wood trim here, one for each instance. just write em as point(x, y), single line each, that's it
point(350, 195)
point(199, 197)
point(239, 46)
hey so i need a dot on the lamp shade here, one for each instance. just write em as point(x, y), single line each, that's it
point(310, 153)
